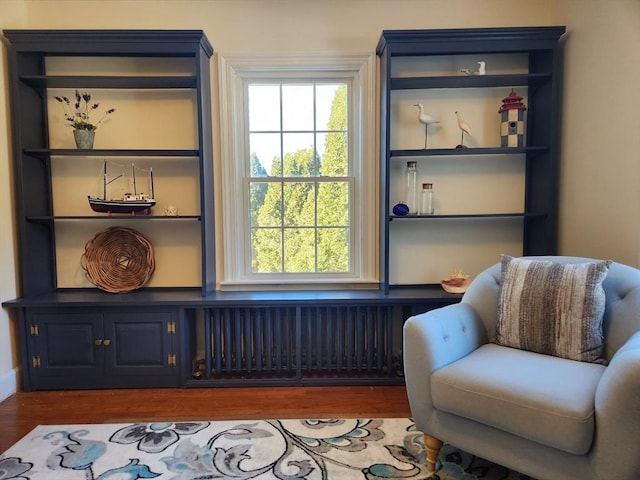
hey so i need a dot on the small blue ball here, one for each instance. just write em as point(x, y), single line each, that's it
point(401, 209)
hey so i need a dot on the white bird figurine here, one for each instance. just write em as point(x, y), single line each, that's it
point(426, 120)
point(464, 128)
point(481, 70)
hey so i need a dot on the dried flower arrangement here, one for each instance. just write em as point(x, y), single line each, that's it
point(78, 115)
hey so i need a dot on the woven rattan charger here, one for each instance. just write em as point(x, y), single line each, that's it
point(118, 260)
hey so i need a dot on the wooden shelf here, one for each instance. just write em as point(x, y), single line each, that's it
point(49, 218)
point(73, 152)
point(432, 152)
point(466, 215)
point(192, 297)
point(109, 81)
point(468, 81)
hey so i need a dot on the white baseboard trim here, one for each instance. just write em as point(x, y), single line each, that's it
point(8, 383)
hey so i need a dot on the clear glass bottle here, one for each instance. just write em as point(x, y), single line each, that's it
point(426, 200)
point(411, 188)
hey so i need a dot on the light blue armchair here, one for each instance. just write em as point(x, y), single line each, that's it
point(544, 416)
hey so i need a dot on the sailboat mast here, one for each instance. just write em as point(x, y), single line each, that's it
point(104, 180)
point(133, 174)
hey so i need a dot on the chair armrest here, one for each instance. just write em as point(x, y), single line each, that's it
point(618, 412)
point(431, 341)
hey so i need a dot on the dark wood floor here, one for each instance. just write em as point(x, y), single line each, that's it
point(23, 411)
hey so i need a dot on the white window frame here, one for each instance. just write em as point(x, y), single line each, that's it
point(358, 71)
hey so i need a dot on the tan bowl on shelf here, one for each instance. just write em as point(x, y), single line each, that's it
point(455, 286)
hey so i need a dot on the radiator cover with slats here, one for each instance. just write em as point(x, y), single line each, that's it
point(300, 345)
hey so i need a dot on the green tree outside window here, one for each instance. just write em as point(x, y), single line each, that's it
point(299, 209)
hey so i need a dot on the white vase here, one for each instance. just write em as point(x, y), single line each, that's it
point(84, 139)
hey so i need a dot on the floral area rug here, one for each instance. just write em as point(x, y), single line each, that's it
point(331, 449)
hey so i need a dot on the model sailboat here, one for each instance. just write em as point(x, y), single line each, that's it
point(131, 203)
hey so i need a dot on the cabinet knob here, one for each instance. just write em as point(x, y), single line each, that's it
point(106, 342)
point(98, 342)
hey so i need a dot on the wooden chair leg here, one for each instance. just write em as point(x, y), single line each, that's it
point(433, 450)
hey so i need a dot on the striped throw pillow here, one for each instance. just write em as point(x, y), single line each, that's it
point(552, 308)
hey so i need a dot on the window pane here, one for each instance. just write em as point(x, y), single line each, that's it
point(265, 204)
point(333, 204)
point(331, 107)
point(264, 108)
point(297, 107)
point(299, 158)
point(333, 250)
point(299, 250)
point(265, 147)
point(333, 153)
point(299, 204)
point(266, 250)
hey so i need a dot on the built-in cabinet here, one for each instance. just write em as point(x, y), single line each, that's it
point(178, 330)
point(158, 83)
point(71, 348)
point(488, 199)
point(73, 335)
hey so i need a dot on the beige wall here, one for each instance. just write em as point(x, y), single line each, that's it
point(14, 16)
point(600, 137)
point(600, 189)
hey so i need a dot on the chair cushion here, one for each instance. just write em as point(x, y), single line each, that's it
point(552, 308)
point(545, 399)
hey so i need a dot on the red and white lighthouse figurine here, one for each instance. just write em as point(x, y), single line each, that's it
point(512, 121)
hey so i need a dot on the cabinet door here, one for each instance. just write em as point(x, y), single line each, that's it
point(140, 343)
point(64, 346)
